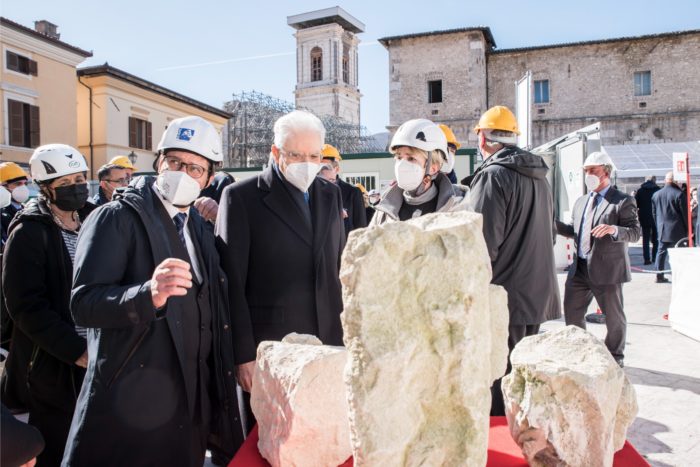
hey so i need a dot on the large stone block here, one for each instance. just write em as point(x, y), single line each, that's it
point(568, 403)
point(298, 398)
point(426, 336)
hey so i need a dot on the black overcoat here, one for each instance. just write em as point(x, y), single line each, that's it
point(132, 409)
point(283, 271)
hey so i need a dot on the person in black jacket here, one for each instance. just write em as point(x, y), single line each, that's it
point(646, 218)
point(15, 180)
point(511, 191)
point(160, 384)
point(111, 177)
point(48, 354)
point(280, 238)
point(355, 216)
point(670, 210)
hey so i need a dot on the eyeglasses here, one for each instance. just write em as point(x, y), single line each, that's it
point(293, 156)
point(120, 181)
point(176, 165)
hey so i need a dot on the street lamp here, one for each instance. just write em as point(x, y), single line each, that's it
point(132, 157)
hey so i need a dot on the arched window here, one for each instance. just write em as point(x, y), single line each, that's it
point(316, 64)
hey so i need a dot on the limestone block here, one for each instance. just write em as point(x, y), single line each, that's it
point(568, 403)
point(298, 398)
point(426, 336)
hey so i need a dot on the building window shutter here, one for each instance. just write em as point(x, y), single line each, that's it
point(34, 126)
point(33, 67)
point(148, 136)
point(12, 61)
point(16, 121)
point(133, 124)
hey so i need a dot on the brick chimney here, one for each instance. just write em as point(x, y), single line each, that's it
point(47, 28)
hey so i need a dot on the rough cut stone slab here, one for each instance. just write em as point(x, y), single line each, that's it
point(298, 398)
point(568, 403)
point(426, 336)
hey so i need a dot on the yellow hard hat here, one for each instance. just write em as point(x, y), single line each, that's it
point(330, 152)
point(11, 171)
point(451, 139)
point(361, 187)
point(498, 118)
point(122, 161)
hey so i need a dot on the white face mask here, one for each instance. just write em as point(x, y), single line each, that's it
point(301, 174)
point(5, 197)
point(408, 175)
point(178, 188)
point(20, 194)
point(592, 182)
point(448, 165)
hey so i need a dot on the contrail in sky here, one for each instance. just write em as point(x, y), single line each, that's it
point(240, 59)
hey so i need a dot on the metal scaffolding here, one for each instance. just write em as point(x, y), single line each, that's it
point(250, 130)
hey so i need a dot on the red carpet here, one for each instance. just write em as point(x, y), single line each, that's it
point(503, 452)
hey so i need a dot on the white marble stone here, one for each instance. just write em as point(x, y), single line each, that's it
point(298, 398)
point(568, 403)
point(426, 334)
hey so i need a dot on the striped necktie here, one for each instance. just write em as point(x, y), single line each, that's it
point(180, 220)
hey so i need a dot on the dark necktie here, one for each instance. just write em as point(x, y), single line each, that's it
point(588, 225)
point(179, 220)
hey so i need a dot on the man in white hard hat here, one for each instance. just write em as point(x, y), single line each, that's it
point(604, 221)
point(149, 286)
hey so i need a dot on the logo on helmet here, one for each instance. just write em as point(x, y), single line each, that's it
point(73, 164)
point(185, 134)
point(48, 167)
point(421, 136)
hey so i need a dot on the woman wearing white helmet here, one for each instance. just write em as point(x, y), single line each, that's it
point(420, 151)
point(47, 362)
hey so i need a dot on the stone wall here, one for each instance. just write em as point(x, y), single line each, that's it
point(457, 59)
point(592, 82)
point(588, 82)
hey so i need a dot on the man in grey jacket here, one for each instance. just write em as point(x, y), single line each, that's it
point(511, 191)
point(603, 222)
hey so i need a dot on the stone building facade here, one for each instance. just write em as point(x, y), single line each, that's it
point(643, 89)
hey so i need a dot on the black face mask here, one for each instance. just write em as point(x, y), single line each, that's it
point(71, 197)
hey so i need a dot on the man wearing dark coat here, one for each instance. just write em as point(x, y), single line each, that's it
point(354, 216)
point(646, 218)
point(511, 191)
point(280, 239)
point(670, 210)
point(603, 222)
point(160, 384)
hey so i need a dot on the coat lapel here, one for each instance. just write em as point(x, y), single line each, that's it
point(603, 206)
point(160, 246)
point(281, 203)
point(321, 204)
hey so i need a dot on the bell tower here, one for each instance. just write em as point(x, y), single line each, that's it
point(327, 78)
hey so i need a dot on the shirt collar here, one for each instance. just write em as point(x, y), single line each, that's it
point(603, 192)
point(169, 207)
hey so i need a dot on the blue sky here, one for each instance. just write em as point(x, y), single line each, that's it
point(161, 40)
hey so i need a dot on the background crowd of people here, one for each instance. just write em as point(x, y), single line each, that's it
point(131, 318)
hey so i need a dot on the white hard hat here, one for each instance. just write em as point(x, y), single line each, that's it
point(193, 134)
point(56, 160)
point(422, 134)
point(598, 158)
